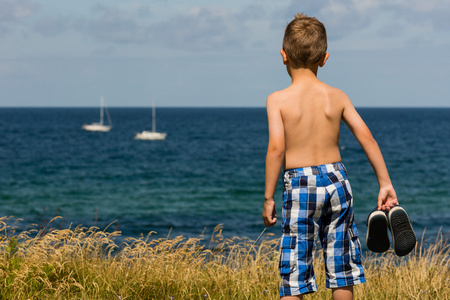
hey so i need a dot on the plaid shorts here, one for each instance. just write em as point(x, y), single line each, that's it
point(318, 202)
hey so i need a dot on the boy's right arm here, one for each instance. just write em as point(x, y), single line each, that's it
point(387, 196)
point(274, 158)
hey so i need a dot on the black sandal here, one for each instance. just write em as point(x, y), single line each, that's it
point(377, 239)
point(403, 236)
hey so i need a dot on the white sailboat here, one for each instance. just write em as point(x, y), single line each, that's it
point(151, 135)
point(100, 126)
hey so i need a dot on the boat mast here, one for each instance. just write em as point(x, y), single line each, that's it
point(153, 117)
point(101, 110)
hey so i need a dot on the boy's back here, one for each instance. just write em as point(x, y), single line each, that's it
point(311, 113)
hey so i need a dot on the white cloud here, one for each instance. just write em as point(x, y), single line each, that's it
point(116, 25)
point(11, 12)
point(433, 12)
point(202, 28)
point(346, 17)
point(15, 10)
point(52, 26)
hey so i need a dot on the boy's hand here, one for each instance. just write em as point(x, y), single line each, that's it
point(269, 214)
point(387, 198)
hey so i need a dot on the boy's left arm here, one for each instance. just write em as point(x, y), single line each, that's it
point(274, 159)
point(387, 197)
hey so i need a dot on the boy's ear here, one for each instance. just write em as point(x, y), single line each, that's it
point(324, 59)
point(284, 56)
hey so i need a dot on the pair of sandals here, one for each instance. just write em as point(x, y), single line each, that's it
point(397, 220)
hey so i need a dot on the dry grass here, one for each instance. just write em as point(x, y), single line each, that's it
point(86, 263)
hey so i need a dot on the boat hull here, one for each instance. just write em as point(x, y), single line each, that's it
point(150, 135)
point(96, 127)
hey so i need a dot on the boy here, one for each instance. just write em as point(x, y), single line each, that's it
point(304, 122)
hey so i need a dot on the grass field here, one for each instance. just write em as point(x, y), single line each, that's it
point(87, 263)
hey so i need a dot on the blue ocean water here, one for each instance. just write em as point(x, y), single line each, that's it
point(208, 171)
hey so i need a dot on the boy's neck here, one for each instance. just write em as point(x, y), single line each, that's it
point(303, 73)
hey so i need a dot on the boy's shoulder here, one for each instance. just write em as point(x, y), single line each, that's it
point(295, 92)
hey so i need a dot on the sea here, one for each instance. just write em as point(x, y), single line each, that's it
point(208, 172)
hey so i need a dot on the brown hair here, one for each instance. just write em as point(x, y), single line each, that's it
point(305, 41)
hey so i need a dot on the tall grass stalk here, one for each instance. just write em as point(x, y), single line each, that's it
point(87, 263)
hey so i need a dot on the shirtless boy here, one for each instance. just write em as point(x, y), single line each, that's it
point(304, 122)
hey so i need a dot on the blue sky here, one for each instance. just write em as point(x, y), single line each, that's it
point(216, 53)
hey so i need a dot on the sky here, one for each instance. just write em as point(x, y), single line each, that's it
point(209, 53)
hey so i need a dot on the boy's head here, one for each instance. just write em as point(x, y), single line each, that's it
point(305, 41)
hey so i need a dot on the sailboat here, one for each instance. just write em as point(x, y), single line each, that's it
point(100, 126)
point(151, 135)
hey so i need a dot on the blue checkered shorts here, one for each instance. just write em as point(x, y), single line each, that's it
point(318, 202)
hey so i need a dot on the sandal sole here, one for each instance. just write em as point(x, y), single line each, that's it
point(403, 237)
